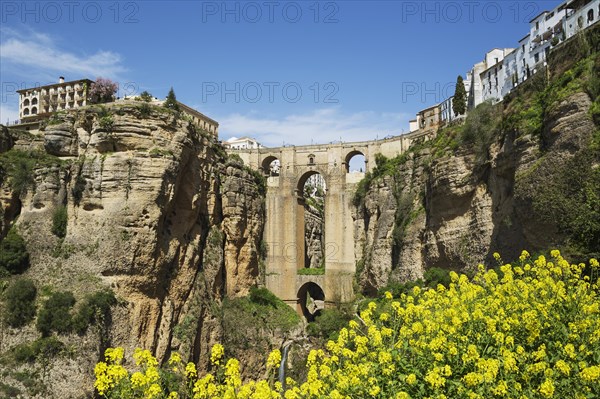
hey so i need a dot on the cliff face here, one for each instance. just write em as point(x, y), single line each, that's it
point(155, 212)
point(454, 206)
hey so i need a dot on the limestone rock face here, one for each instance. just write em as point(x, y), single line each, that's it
point(155, 213)
point(454, 212)
point(313, 237)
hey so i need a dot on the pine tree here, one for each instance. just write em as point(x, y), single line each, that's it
point(171, 101)
point(459, 103)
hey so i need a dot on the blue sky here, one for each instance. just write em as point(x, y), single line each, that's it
point(284, 72)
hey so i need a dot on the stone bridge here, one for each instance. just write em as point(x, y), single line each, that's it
point(285, 208)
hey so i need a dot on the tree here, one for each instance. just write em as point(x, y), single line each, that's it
point(145, 96)
point(14, 257)
point(20, 303)
point(102, 91)
point(171, 101)
point(459, 103)
point(56, 314)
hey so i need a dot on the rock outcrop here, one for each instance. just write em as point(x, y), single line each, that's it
point(454, 211)
point(155, 212)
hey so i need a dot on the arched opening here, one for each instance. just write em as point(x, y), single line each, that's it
point(271, 166)
point(590, 15)
point(311, 300)
point(33, 110)
point(310, 234)
point(34, 101)
point(311, 159)
point(26, 111)
point(356, 162)
point(26, 102)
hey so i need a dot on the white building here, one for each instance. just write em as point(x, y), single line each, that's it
point(580, 14)
point(43, 100)
point(242, 143)
point(485, 77)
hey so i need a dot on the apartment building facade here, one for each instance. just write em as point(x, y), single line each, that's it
point(41, 101)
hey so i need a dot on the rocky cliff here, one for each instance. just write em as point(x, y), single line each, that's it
point(522, 174)
point(155, 212)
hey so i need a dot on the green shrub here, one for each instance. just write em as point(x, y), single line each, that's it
point(328, 323)
point(95, 309)
point(145, 96)
point(246, 320)
point(14, 258)
point(59, 221)
point(263, 297)
point(480, 128)
point(45, 347)
point(19, 166)
point(55, 315)
point(20, 303)
point(431, 278)
point(107, 123)
point(235, 159)
point(595, 112)
point(145, 109)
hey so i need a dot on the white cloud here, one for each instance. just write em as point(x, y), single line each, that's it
point(31, 52)
point(319, 126)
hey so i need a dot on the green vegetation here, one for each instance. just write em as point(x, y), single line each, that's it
point(523, 330)
point(566, 194)
point(235, 159)
point(45, 347)
point(311, 271)
point(383, 167)
point(19, 167)
point(328, 323)
point(245, 320)
point(145, 96)
point(431, 278)
point(14, 258)
point(459, 103)
point(95, 309)
point(59, 221)
point(56, 118)
point(171, 101)
point(55, 315)
point(107, 123)
point(481, 129)
point(19, 301)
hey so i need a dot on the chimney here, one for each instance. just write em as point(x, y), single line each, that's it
point(61, 79)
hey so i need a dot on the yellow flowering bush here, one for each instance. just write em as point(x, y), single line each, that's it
point(530, 330)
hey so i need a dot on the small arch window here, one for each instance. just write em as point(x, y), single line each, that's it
point(590, 15)
point(311, 159)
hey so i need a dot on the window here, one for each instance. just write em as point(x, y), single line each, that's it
point(536, 57)
point(580, 22)
point(590, 15)
point(537, 25)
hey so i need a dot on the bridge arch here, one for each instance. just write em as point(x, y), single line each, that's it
point(353, 155)
point(310, 300)
point(310, 222)
point(271, 165)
